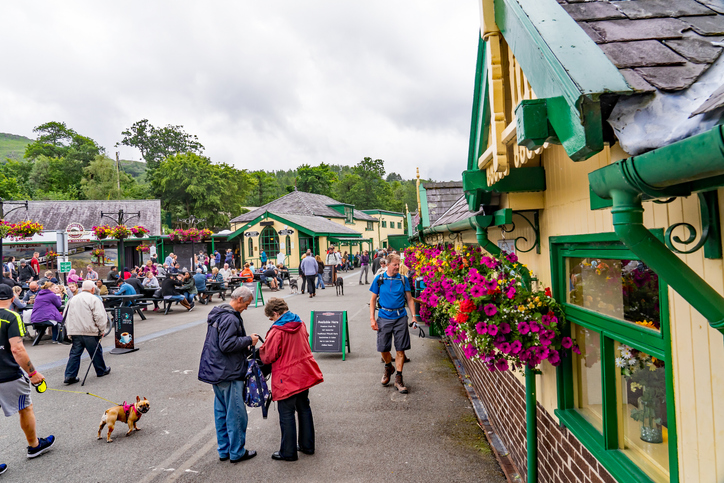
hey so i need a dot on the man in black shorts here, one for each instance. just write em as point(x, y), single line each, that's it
point(393, 291)
point(14, 383)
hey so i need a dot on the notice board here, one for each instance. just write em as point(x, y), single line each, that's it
point(328, 275)
point(123, 322)
point(329, 332)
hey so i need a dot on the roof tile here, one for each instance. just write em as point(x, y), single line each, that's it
point(709, 25)
point(635, 81)
point(715, 101)
point(672, 77)
point(625, 30)
point(696, 50)
point(644, 53)
point(716, 5)
point(593, 11)
point(637, 9)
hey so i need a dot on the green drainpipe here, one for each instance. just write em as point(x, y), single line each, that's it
point(693, 164)
point(531, 424)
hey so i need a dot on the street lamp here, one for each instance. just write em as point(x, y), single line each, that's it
point(120, 218)
point(3, 214)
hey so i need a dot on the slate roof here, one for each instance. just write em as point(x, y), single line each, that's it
point(656, 44)
point(301, 203)
point(441, 196)
point(318, 224)
point(57, 215)
point(458, 211)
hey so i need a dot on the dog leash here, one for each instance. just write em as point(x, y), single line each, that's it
point(88, 393)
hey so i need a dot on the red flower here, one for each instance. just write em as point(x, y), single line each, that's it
point(548, 292)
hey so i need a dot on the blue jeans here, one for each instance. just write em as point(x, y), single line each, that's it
point(189, 297)
point(231, 419)
point(177, 298)
point(89, 343)
point(320, 281)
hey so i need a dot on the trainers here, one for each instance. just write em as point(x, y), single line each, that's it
point(388, 372)
point(44, 444)
point(400, 385)
point(3, 469)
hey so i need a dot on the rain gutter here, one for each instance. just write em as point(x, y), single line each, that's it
point(679, 169)
point(480, 223)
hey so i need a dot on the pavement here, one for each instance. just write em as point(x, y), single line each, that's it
point(364, 432)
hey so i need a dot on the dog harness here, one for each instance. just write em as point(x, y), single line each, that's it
point(127, 409)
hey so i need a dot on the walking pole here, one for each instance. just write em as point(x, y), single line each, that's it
point(92, 357)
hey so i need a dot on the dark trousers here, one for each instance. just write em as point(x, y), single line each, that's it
point(304, 282)
point(310, 282)
point(298, 403)
point(88, 343)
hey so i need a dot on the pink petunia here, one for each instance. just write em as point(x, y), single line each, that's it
point(505, 328)
point(566, 342)
point(516, 346)
point(505, 347)
point(501, 365)
point(523, 328)
point(545, 320)
point(492, 329)
point(511, 293)
point(477, 291)
point(470, 351)
point(576, 350)
point(534, 327)
point(481, 328)
point(490, 310)
point(554, 357)
point(512, 257)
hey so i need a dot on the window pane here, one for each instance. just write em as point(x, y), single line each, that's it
point(588, 387)
point(624, 289)
point(643, 435)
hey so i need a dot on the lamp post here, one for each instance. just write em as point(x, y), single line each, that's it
point(192, 221)
point(120, 218)
point(3, 214)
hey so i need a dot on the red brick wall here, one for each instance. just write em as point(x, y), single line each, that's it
point(561, 457)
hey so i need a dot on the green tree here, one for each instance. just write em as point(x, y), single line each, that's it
point(365, 188)
point(20, 171)
point(101, 181)
point(10, 188)
point(56, 140)
point(315, 179)
point(56, 178)
point(264, 188)
point(190, 184)
point(158, 143)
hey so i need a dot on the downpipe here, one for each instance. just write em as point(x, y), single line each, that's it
point(531, 423)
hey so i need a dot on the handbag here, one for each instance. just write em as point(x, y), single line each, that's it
point(256, 390)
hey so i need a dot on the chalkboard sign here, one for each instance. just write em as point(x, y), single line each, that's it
point(329, 332)
point(256, 294)
point(328, 275)
point(123, 321)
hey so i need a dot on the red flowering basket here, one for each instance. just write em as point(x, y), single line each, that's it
point(102, 231)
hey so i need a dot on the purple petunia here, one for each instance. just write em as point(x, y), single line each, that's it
point(566, 342)
point(501, 365)
point(554, 357)
point(534, 327)
point(576, 350)
point(516, 346)
point(505, 328)
point(477, 291)
point(505, 347)
point(523, 328)
point(511, 293)
point(490, 310)
point(512, 257)
point(492, 329)
point(470, 351)
point(481, 328)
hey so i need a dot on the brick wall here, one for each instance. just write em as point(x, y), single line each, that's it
point(561, 457)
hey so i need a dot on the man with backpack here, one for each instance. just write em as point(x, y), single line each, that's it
point(224, 365)
point(390, 294)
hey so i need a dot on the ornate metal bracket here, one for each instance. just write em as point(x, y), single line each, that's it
point(710, 229)
point(533, 224)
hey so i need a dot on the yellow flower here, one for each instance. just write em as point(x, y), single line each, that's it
point(521, 308)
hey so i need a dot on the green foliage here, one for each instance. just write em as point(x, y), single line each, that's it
point(56, 178)
point(315, 179)
point(101, 181)
point(9, 188)
point(365, 188)
point(158, 143)
point(13, 146)
point(56, 140)
point(264, 189)
point(192, 185)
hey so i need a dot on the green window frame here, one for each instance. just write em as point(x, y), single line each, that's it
point(251, 247)
point(384, 224)
point(348, 215)
point(269, 242)
point(604, 444)
point(399, 225)
point(370, 226)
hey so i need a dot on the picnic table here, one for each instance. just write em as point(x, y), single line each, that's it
point(113, 301)
point(42, 326)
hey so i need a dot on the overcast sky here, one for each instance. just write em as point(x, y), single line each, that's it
point(264, 85)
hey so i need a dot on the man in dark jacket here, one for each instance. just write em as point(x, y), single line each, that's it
point(223, 364)
point(169, 292)
point(136, 283)
point(25, 274)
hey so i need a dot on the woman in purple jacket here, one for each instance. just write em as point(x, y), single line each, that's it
point(365, 267)
point(46, 310)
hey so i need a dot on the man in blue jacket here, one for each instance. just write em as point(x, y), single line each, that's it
point(223, 364)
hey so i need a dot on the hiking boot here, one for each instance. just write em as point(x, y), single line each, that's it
point(389, 370)
point(400, 385)
point(44, 444)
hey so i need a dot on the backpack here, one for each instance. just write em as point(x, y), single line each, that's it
point(256, 390)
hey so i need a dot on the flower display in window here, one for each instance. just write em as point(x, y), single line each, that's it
point(484, 304)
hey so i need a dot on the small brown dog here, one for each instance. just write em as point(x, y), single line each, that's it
point(127, 413)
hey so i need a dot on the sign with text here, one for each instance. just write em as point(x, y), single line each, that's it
point(64, 266)
point(328, 275)
point(123, 321)
point(251, 233)
point(329, 332)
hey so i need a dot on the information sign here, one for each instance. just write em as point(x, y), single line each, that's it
point(256, 294)
point(329, 332)
point(64, 266)
point(328, 275)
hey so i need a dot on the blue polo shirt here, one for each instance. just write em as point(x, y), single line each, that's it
point(391, 295)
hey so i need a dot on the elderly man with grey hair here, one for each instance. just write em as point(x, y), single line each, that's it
point(86, 322)
point(223, 365)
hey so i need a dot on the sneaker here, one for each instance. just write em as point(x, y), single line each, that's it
point(389, 370)
point(44, 444)
point(400, 385)
point(3, 469)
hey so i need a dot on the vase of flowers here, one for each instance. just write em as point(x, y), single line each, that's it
point(101, 231)
point(646, 376)
point(484, 304)
point(139, 231)
point(120, 232)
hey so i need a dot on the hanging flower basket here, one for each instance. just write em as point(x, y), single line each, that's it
point(102, 231)
point(483, 304)
point(98, 255)
point(205, 234)
point(51, 255)
point(5, 229)
point(139, 231)
point(143, 248)
point(190, 235)
point(120, 232)
point(25, 228)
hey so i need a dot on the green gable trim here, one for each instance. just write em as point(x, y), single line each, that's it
point(339, 207)
point(424, 212)
point(480, 119)
point(521, 180)
point(383, 212)
point(564, 66)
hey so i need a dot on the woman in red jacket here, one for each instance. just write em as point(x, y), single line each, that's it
point(294, 371)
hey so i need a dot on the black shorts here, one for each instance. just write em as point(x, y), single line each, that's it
point(386, 329)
